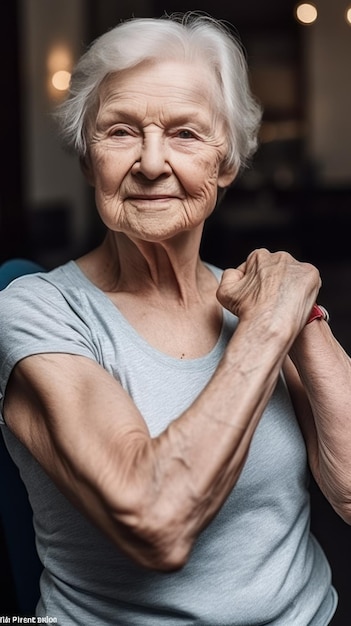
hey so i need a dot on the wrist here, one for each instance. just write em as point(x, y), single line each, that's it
point(318, 312)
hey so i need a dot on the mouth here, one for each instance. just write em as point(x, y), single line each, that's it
point(151, 197)
point(152, 202)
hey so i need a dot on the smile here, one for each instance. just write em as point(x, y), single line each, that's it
point(152, 198)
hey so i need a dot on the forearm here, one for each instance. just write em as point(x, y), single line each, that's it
point(325, 372)
point(201, 455)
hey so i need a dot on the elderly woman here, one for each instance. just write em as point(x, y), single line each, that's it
point(163, 413)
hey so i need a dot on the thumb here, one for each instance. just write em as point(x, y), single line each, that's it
point(227, 286)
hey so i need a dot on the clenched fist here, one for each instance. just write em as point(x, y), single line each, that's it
point(273, 286)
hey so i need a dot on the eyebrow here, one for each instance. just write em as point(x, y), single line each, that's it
point(110, 114)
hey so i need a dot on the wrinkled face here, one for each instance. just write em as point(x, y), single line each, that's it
point(156, 149)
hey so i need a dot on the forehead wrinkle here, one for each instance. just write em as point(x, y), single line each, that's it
point(134, 97)
point(129, 108)
point(135, 82)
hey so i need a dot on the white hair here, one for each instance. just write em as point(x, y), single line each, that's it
point(188, 36)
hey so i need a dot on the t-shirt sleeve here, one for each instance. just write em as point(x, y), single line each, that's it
point(37, 317)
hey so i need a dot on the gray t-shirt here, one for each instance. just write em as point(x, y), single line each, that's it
point(256, 563)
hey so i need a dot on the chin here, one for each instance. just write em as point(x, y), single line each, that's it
point(157, 235)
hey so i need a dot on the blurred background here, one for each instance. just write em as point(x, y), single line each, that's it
point(295, 196)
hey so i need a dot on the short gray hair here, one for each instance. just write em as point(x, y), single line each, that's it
point(187, 36)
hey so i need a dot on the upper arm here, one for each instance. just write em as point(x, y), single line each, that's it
point(81, 426)
point(303, 413)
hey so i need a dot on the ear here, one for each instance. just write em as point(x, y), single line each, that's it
point(85, 166)
point(227, 175)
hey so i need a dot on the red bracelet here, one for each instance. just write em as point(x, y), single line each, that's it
point(318, 313)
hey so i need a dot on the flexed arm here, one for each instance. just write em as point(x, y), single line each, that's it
point(152, 497)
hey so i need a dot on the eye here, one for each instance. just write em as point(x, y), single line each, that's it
point(120, 132)
point(185, 134)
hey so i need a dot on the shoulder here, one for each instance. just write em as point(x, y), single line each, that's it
point(32, 293)
point(41, 313)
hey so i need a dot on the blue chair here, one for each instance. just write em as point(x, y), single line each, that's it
point(14, 268)
point(16, 526)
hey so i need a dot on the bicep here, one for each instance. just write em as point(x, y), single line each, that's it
point(80, 425)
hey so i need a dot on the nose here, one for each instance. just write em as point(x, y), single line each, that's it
point(153, 159)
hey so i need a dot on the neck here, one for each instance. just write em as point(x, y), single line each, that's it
point(171, 269)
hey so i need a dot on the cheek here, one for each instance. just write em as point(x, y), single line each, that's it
point(109, 170)
point(202, 177)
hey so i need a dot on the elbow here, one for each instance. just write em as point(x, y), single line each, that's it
point(336, 488)
point(172, 559)
point(155, 526)
point(163, 548)
point(158, 552)
point(156, 542)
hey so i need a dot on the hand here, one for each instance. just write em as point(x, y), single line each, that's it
point(273, 286)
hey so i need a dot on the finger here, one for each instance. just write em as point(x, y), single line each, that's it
point(227, 287)
point(232, 276)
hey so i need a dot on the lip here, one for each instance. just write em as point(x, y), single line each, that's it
point(151, 197)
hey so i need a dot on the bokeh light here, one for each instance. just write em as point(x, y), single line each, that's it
point(60, 80)
point(306, 13)
point(59, 66)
